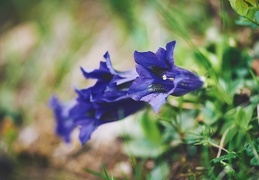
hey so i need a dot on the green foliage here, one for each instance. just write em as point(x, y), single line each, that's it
point(209, 134)
point(227, 157)
point(150, 143)
point(98, 174)
point(248, 10)
point(222, 118)
point(160, 172)
point(252, 151)
point(145, 148)
point(95, 173)
point(107, 177)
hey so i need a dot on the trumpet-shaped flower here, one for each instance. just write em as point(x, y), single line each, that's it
point(104, 102)
point(111, 85)
point(159, 77)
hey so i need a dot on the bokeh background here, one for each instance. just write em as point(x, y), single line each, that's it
point(43, 44)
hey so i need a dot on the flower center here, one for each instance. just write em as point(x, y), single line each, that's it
point(164, 77)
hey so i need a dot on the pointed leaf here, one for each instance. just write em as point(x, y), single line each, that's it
point(251, 13)
point(233, 5)
point(226, 157)
point(242, 7)
point(254, 161)
point(95, 173)
point(105, 171)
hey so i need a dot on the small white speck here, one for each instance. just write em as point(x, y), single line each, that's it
point(202, 78)
point(164, 77)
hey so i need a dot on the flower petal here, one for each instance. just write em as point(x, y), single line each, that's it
point(64, 124)
point(143, 72)
point(156, 100)
point(101, 73)
point(113, 111)
point(170, 52)
point(109, 63)
point(161, 54)
point(148, 59)
point(185, 82)
point(139, 88)
point(159, 77)
point(86, 129)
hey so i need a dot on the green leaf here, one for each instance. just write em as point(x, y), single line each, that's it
point(252, 150)
point(150, 128)
point(227, 157)
point(229, 170)
point(160, 172)
point(144, 148)
point(107, 177)
point(254, 161)
point(244, 116)
point(251, 13)
point(251, 147)
point(252, 2)
point(95, 173)
point(241, 6)
point(232, 3)
point(242, 21)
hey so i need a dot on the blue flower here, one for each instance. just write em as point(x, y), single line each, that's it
point(159, 77)
point(77, 114)
point(111, 85)
point(106, 101)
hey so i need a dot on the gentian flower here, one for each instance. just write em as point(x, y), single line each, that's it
point(64, 124)
point(159, 77)
point(104, 102)
point(80, 114)
point(111, 85)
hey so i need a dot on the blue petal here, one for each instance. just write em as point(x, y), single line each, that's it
point(143, 72)
point(109, 112)
point(147, 84)
point(82, 110)
point(148, 59)
point(101, 73)
point(139, 88)
point(159, 77)
point(64, 124)
point(86, 129)
point(185, 82)
point(170, 52)
point(115, 92)
point(109, 63)
point(161, 55)
point(156, 100)
point(97, 91)
point(84, 94)
point(125, 75)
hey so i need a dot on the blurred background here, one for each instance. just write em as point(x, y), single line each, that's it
point(43, 44)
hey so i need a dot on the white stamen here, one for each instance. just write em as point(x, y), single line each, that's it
point(164, 77)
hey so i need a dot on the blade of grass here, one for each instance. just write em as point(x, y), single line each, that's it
point(95, 173)
point(105, 171)
point(254, 77)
